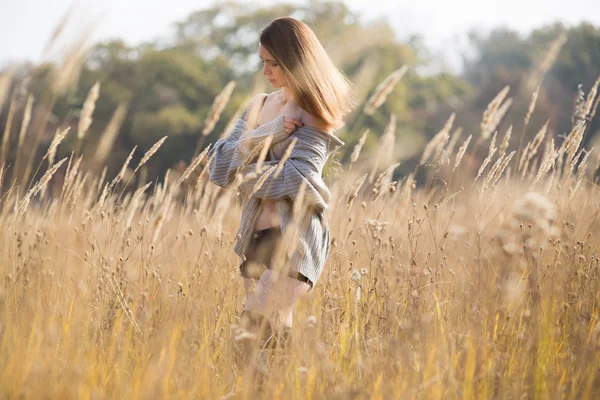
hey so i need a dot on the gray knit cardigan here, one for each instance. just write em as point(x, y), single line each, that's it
point(309, 155)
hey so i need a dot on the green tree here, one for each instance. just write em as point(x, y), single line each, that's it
point(169, 84)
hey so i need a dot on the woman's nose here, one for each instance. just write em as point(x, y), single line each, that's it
point(265, 70)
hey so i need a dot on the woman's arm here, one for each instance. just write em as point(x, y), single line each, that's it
point(253, 137)
point(221, 155)
point(228, 154)
point(305, 164)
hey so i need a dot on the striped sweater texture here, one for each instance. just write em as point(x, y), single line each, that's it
point(305, 164)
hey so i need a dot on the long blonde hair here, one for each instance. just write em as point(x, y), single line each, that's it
point(318, 86)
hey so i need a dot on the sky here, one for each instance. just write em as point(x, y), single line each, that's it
point(26, 25)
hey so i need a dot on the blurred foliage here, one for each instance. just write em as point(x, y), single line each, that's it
point(170, 83)
point(505, 58)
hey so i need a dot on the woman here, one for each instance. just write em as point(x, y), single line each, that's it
point(313, 97)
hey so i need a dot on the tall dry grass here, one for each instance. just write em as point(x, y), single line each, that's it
point(462, 288)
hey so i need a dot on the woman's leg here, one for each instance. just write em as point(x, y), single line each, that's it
point(249, 286)
point(275, 296)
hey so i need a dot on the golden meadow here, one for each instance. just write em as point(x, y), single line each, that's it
point(482, 282)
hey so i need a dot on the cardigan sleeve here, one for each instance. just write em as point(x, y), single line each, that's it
point(305, 164)
point(226, 156)
point(253, 137)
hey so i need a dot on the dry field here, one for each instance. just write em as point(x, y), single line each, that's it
point(481, 283)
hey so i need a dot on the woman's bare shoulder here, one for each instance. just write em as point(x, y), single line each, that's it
point(272, 97)
point(259, 98)
point(254, 106)
point(293, 110)
point(314, 122)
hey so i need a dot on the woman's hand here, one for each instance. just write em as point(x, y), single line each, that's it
point(290, 124)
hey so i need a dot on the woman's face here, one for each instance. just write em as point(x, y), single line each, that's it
point(271, 69)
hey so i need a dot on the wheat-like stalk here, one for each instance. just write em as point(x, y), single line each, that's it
point(299, 202)
point(443, 139)
point(523, 157)
point(85, 119)
point(266, 145)
point(533, 147)
point(26, 120)
point(571, 143)
point(594, 108)
point(234, 118)
point(409, 186)
point(21, 138)
point(71, 65)
point(193, 165)
point(550, 182)
point(75, 194)
point(493, 170)
point(493, 143)
point(363, 78)
point(437, 143)
point(163, 215)
point(505, 142)
point(121, 173)
point(461, 152)
point(217, 108)
point(388, 141)
point(581, 172)
point(503, 166)
point(36, 188)
point(161, 194)
point(578, 106)
point(574, 161)
point(5, 82)
point(590, 99)
point(2, 173)
point(486, 162)
point(256, 150)
point(262, 179)
point(69, 179)
point(532, 104)
point(383, 90)
point(489, 120)
point(56, 140)
point(452, 142)
point(530, 110)
point(203, 172)
point(385, 151)
point(381, 180)
point(98, 186)
point(549, 150)
point(597, 166)
point(549, 59)
point(68, 165)
point(133, 204)
point(547, 163)
point(150, 152)
point(354, 190)
point(358, 147)
point(284, 158)
point(109, 135)
point(6, 136)
point(500, 113)
point(58, 29)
